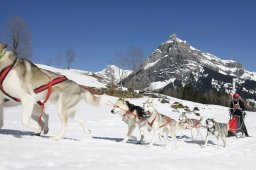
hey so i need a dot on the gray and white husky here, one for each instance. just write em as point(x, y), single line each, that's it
point(20, 83)
point(189, 123)
point(219, 130)
point(159, 123)
point(132, 115)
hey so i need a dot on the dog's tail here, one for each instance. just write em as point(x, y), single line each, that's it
point(91, 98)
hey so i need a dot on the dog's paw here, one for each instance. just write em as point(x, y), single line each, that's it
point(46, 130)
point(36, 134)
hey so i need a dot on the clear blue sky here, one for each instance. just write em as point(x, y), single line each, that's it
point(97, 29)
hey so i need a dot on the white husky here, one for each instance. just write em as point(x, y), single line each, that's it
point(23, 77)
point(158, 121)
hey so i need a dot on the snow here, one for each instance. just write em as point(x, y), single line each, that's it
point(151, 64)
point(103, 149)
point(160, 84)
point(81, 77)
point(114, 73)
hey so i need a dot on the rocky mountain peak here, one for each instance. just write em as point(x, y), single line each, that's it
point(176, 63)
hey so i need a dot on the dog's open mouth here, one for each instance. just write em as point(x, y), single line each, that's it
point(148, 113)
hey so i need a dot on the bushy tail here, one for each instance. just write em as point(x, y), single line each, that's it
point(91, 99)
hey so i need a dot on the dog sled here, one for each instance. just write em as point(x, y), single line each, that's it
point(236, 125)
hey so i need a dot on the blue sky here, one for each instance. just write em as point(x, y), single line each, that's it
point(98, 29)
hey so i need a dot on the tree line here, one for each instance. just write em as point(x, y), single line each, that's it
point(190, 93)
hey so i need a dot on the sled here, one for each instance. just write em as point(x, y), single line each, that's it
point(235, 126)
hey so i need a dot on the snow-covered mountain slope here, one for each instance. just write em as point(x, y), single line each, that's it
point(113, 74)
point(81, 77)
point(102, 149)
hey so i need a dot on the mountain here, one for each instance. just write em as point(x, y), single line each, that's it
point(175, 63)
point(113, 74)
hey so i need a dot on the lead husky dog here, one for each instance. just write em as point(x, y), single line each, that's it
point(158, 121)
point(188, 123)
point(20, 83)
point(219, 130)
point(131, 115)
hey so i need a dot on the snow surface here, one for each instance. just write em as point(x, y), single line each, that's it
point(102, 149)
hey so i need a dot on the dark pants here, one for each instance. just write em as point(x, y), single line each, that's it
point(240, 116)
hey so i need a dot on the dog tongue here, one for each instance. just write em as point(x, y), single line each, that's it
point(148, 113)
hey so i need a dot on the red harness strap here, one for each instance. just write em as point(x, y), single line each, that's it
point(196, 124)
point(151, 123)
point(168, 120)
point(49, 87)
point(3, 74)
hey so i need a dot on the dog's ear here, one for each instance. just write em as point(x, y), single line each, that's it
point(3, 46)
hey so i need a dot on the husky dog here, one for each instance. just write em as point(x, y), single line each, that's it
point(158, 121)
point(219, 130)
point(132, 115)
point(188, 123)
point(21, 81)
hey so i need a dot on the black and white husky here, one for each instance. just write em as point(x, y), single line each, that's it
point(132, 115)
point(20, 82)
point(159, 123)
point(219, 130)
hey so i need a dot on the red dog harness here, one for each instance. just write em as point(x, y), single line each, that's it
point(48, 86)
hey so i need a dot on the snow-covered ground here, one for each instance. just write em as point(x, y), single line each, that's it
point(102, 148)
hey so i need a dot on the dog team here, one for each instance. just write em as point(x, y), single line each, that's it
point(24, 82)
point(148, 118)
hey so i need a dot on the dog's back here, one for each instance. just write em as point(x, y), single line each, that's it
point(223, 128)
point(139, 110)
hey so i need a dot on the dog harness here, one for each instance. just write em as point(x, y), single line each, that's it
point(166, 117)
point(48, 86)
point(3, 75)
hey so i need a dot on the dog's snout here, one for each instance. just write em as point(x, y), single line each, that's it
point(112, 111)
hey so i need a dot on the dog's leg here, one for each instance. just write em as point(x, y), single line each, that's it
point(173, 135)
point(72, 112)
point(1, 112)
point(156, 131)
point(1, 116)
point(206, 141)
point(191, 131)
point(200, 133)
point(218, 141)
point(63, 115)
point(142, 129)
point(41, 118)
point(83, 125)
point(131, 127)
point(224, 141)
point(28, 104)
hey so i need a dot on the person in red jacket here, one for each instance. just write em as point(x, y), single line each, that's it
point(237, 109)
